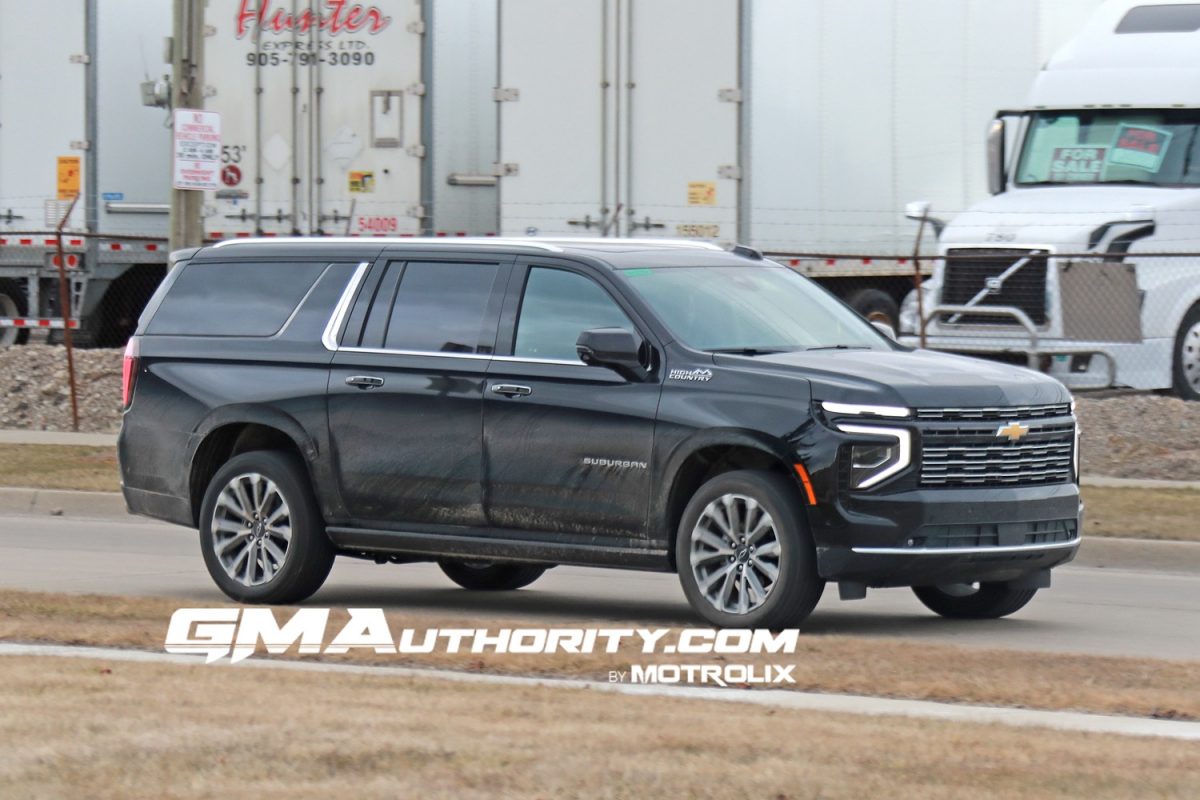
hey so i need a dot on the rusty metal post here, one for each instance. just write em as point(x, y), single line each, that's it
point(64, 302)
point(917, 278)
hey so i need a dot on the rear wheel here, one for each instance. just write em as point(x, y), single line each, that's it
point(974, 600)
point(744, 555)
point(490, 577)
point(261, 534)
point(12, 304)
point(1187, 356)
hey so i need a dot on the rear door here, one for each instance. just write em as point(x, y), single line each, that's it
point(567, 447)
point(406, 388)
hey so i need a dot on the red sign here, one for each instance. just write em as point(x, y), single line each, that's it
point(342, 17)
point(231, 175)
point(1141, 146)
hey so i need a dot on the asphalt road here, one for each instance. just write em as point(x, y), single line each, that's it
point(1089, 610)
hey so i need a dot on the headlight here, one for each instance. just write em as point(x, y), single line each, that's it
point(874, 462)
point(857, 410)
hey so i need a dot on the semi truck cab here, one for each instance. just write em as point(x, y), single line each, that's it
point(1078, 264)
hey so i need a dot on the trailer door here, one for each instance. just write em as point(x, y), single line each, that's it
point(618, 118)
point(681, 116)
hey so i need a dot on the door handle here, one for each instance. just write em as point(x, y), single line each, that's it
point(511, 389)
point(364, 381)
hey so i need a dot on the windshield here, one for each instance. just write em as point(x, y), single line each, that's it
point(1154, 147)
point(750, 310)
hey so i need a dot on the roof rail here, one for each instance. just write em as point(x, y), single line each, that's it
point(554, 244)
point(414, 241)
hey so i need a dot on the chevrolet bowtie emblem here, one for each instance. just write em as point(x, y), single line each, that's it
point(1015, 431)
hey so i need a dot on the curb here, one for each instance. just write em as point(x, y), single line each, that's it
point(58, 437)
point(1074, 721)
point(1101, 481)
point(58, 503)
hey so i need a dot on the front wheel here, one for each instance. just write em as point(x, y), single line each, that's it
point(1187, 356)
point(744, 555)
point(261, 533)
point(485, 576)
point(974, 600)
point(12, 304)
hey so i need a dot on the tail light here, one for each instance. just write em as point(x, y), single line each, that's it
point(129, 369)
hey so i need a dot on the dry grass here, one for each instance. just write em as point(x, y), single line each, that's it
point(92, 469)
point(1142, 513)
point(836, 664)
point(82, 728)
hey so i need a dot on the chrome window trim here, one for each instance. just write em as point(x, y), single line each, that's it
point(520, 360)
point(952, 551)
point(381, 351)
point(329, 337)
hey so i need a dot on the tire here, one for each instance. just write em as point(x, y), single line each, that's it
point(485, 576)
point(254, 571)
point(12, 304)
point(725, 578)
point(877, 306)
point(965, 601)
point(1186, 362)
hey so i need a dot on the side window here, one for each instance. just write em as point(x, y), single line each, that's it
point(557, 307)
point(234, 299)
point(431, 307)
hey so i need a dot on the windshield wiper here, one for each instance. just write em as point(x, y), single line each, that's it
point(840, 347)
point(751, 351)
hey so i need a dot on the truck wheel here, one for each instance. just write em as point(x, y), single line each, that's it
point(261, 534)
point(877, 306)
point(973, 601)
point(12, 304)
point(1187, 356)
point(744, 554)
point(486, 576)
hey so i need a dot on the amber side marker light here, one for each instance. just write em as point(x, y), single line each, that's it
point(808, 490)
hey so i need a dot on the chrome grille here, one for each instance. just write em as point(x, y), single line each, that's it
point(969, 270)
point(973, 455)
point(999, 413)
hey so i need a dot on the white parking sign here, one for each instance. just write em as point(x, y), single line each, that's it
point(197, 149)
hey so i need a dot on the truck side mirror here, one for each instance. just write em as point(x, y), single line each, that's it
point(615, 348)
point(997, 177)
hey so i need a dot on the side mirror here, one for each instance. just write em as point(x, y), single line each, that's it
point(615, 348)
point(885, 329)
point(997, 177)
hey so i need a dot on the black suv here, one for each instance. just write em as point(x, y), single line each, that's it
point(503, 406)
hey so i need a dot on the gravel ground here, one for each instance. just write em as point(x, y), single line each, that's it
point(1128, 435)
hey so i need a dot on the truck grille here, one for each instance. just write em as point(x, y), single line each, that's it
point(973, 455)
point(1002, 413)
point(966, 275)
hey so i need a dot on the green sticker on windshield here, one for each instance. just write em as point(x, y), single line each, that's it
point(633, 273)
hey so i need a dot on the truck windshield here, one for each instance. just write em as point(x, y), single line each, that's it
point(750, 310)
point(1157, 147)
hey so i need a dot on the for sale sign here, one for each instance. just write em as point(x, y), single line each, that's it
point(197, 149)
point(1077, 164)
point(1140, 146)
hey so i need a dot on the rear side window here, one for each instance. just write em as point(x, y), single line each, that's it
point(1161, 19)
point(433, 307)
point(557, 307)
point(234, 299)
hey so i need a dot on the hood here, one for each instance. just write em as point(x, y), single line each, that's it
point(1065, 216)
point(915, 379)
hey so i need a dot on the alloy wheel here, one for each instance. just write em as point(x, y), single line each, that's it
point(251, 529)
point(735, 554)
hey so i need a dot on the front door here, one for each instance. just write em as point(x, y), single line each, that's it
point(567, 446)
point(406, 388)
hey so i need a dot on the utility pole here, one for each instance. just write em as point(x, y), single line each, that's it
point(187, 91)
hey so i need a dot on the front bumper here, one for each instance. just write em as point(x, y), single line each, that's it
point(931, 536)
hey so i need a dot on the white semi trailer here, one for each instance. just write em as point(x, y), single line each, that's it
point(1060, 267)
point(795, 127)
point(72, 121)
